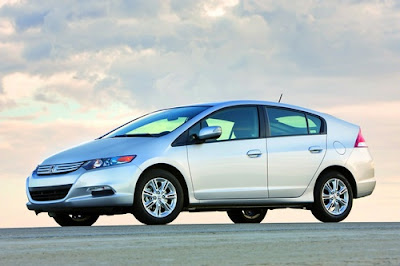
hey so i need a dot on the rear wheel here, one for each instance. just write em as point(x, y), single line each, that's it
point(75, 219)
point(247, 215)
point(158, 197)
point(333, 198)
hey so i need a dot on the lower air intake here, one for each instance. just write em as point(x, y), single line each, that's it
point(49, 193)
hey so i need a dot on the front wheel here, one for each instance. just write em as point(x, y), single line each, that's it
point(333, 198)
point(158, 197)
point(247, 215)
point(75, 219)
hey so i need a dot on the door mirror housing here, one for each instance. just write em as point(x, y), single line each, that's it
point(210, 133)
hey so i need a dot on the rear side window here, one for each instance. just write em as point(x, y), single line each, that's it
point(284, 122)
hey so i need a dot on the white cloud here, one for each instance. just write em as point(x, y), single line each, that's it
point(44, 140)
point(134, 48)
point(9, 2)
point(218, 8)
point(19, 85)
point(6, 28)
point(101, 59)
point(380, 127)
point(72, 70)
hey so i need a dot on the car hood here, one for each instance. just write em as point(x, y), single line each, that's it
point(100, 148)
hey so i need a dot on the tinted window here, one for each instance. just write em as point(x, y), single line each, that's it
point(158, 123)
point(236, 123)
point(283, 122)
point(314, 124)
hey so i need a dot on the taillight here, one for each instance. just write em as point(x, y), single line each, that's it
point(360, 141)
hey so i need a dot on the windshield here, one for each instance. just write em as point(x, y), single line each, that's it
point(158, 123)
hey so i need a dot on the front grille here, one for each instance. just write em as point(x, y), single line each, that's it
point(58, 168)
point(49, 193)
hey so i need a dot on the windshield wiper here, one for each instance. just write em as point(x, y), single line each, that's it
point(134, 135)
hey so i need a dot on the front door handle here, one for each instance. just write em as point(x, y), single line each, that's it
point(315, 149)
point(254, 153)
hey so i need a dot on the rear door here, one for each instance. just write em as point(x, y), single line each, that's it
point(296, 147)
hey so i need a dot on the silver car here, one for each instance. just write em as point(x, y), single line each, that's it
point(242, 157)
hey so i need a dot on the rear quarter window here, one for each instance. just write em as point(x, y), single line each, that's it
point(314, 124)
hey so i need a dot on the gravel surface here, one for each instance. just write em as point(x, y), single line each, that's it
point(259, 244)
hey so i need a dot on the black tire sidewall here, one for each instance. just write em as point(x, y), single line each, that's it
point(65, 220)
point(237, 216)
point(319, 210)
point(139, 210)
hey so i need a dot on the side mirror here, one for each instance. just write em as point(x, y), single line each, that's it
point(210, 133)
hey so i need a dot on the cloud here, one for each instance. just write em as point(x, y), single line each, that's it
point(20, 85)
point(331, 38)
point(11, 56)
point(37, 51)
point(202, 50)
point(45, 97)
point(378, 122)
point(72, 70)
point(6, 103)
point(20, 158)
point(218, 8)
point(91, 59)
point(6, 28)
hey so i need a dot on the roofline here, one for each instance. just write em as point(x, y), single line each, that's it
point(222, 104)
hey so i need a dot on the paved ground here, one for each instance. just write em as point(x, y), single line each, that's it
point(296, 244)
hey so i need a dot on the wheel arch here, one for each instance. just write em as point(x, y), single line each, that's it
point(344, 171)
point(173, 170)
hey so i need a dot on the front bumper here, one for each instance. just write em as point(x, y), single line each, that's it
point(121, 179)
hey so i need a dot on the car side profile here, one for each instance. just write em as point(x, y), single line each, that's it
point(242, 157)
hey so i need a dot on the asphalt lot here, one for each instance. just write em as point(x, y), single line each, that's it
point(226, 244)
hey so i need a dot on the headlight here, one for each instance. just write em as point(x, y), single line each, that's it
point(104, 162)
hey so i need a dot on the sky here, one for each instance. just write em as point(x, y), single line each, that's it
point(72, 70)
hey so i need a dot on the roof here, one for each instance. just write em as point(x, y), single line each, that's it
point(254, 102)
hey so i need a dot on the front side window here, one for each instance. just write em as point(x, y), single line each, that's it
point(284, 122)
point(158, 123)
point(235, 122)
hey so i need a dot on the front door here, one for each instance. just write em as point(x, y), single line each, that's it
point(235, 165)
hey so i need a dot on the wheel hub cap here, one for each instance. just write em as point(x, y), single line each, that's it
point(159, 197)
point(335, 196)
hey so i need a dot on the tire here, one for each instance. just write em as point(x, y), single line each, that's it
point(64, 219)
point(333, 197)
point(247, 215)
point(162, 193)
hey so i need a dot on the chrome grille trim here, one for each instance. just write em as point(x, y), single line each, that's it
point(58, 168)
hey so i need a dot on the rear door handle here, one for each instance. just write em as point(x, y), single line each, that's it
point(254, 153)
point(315, 149)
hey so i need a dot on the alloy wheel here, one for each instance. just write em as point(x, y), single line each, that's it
point(335, 196)
point(159, 197)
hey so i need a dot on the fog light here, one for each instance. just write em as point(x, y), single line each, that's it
point(99, 191)
point(99, 188)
